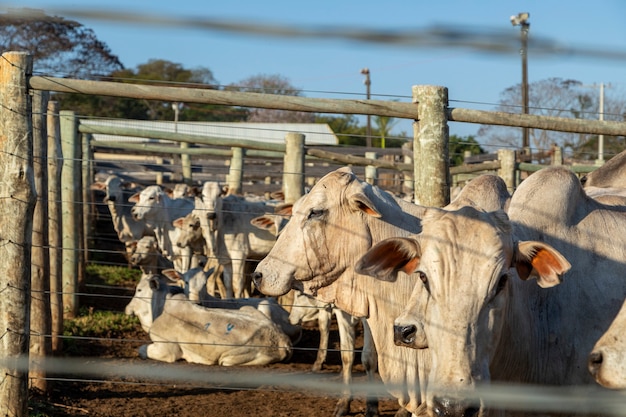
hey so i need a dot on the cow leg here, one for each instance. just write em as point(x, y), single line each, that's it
point(323, 322)
point(369, 359)
point(239, 277)
point(346, 324)
point(228, 280)
point(164, 352)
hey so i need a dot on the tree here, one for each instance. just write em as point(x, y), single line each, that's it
point(155, 72)
point(59, 46)
point(346, 128)
point(272, 84)
point(552, 97)
point(459, 145)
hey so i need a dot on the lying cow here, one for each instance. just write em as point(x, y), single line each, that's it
point(331, 228)
point(194, 283)
point(477, 310)
point(180, 329)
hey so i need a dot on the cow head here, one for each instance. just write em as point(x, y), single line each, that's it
point(147, 201)
point(462, 262)
point(324, 235)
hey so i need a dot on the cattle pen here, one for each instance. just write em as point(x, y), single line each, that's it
point(47, 214)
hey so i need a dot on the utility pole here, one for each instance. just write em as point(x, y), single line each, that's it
point(522, 20)
point(600, 159)
point(368, 82)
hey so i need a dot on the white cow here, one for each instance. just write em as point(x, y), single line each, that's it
point(479, 320)
point(146, 255)
point(117, 193)
point(225, 224)
point(180, 329)
point(607, 360)
point(331, 228)
point(306, 308)
point(194, 283)
point(159, 211)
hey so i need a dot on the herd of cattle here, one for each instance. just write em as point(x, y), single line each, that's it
point(525, 288)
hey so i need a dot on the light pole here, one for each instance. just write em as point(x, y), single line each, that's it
point(185, 159)
point(368, 82)
point(522, 20)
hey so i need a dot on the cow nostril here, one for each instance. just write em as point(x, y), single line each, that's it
point(404, 335)
point(408, 334)
point(595, 362)
point(453, 407)
point(257, 277)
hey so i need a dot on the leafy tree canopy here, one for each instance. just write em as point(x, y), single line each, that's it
point(59, 46)
point(271, 84)
point(459, 145)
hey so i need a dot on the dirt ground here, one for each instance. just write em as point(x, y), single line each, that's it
point(102, 395)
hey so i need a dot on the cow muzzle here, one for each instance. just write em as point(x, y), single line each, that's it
point(454, 407)
point(409, 336)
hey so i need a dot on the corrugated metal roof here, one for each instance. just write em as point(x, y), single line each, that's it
point(315, 133)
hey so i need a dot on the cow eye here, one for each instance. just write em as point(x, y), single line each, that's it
point(422, 276)
point(315, 213)
point(501, 283)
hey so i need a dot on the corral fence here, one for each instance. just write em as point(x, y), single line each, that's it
point(46, 163)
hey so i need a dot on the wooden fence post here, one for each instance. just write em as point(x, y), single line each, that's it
point(293, 165)
point(507, 170)
point(235, 172)
point(557, 155)
point(185, 162)
point(70, 174)
point(407, 184)
point(40, 326)
point(430, 146)
point(159, 174)
point(17, 194)
point(371, 172)
point(89, 208)
point(55, 224)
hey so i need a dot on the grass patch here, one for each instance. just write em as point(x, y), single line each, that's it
point(112, 275)
point(107, 324)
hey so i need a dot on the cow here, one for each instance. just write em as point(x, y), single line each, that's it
point(194, 283)
point(180, 329)
point(607, 360)
point(189, 235)
point(145, 254)
point(117, 193)
point(331, 228)
point(306, 308)
point(159, 211)
point(610, 175)
point(474, 306)
point(225, 224)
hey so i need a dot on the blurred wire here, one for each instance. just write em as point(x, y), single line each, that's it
point(495, 41)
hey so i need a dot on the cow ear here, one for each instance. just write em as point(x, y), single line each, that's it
point(265, 223)
point(361, 202)
point(100, 186)
point(178, 222)
point(541, 261)
point(389, 256)
point(172, 274)
point(134, 198)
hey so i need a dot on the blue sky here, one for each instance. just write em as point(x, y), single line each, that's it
point(331, 68)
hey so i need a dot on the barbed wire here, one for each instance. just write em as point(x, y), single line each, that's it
point(496, 41)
